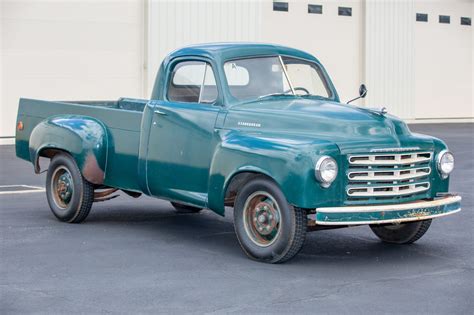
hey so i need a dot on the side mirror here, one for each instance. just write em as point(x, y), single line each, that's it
point(362, 93)
point(362, 90)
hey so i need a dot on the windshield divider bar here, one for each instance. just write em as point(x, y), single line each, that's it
point(286, 75)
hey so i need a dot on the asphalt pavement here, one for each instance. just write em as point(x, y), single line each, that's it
point(140, 256)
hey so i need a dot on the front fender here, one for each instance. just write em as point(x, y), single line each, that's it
point(85, 138)
point(288, 160)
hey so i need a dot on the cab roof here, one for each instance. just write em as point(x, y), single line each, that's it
point(234, 50)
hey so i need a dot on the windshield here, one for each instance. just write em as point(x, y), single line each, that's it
point(260, 77)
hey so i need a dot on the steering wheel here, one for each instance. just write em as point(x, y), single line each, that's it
point(300, 88)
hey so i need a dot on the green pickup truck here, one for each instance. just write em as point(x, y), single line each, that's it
point(256, 127)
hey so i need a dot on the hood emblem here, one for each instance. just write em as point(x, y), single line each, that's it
point(249, 124)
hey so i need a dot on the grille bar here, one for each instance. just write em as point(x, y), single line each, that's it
point(388, 176)
point(390, 159)
point(395, 190)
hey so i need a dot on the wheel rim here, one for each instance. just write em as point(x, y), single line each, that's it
point(62, 187)
point(262, 218)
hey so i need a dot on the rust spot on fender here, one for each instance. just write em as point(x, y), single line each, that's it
point(92, 171)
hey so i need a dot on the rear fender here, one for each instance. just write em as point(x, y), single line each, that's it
point(85, 138)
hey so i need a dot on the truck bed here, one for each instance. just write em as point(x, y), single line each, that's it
point(122, 119)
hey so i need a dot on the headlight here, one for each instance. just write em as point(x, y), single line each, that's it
point(445, 163)
point(326, 170)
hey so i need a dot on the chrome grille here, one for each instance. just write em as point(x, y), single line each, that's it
point(387, 176)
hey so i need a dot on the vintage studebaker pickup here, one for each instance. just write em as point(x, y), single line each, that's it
point(256, 127)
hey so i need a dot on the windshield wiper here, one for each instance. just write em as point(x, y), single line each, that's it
point(274, 94)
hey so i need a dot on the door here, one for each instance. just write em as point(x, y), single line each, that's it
point(182, 137)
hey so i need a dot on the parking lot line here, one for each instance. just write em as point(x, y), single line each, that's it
point(19, 189)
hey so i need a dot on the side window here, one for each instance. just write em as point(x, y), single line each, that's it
point(192, 82)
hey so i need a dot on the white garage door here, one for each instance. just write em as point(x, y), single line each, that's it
point(443, 60)
point(69, 50)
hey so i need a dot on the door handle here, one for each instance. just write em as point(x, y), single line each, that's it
point(159, 112)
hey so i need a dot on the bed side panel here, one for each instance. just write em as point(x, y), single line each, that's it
point(123, 134)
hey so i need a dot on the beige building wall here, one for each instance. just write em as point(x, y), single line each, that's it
point(69, 50)
point(389, 56)
point(105, 49)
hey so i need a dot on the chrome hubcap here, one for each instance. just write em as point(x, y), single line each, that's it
point(262, 218)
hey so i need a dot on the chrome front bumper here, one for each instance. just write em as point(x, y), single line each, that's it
point(382, 214)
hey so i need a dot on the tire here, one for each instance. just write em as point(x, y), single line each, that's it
point(405, 233)
point(69, 195)
point(182, 208)
point(268, 228)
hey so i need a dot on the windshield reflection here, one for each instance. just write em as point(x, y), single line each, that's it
point(277, 76)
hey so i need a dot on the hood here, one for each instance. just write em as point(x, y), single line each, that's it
point(352, 128)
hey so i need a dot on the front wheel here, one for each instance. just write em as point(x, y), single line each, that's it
point(70, 196)
point(404, 233)
point(267, 227)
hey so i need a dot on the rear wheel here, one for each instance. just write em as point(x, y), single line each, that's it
point(69, 195)
point(404, 233)
point(182, 208)
point(267, 227)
